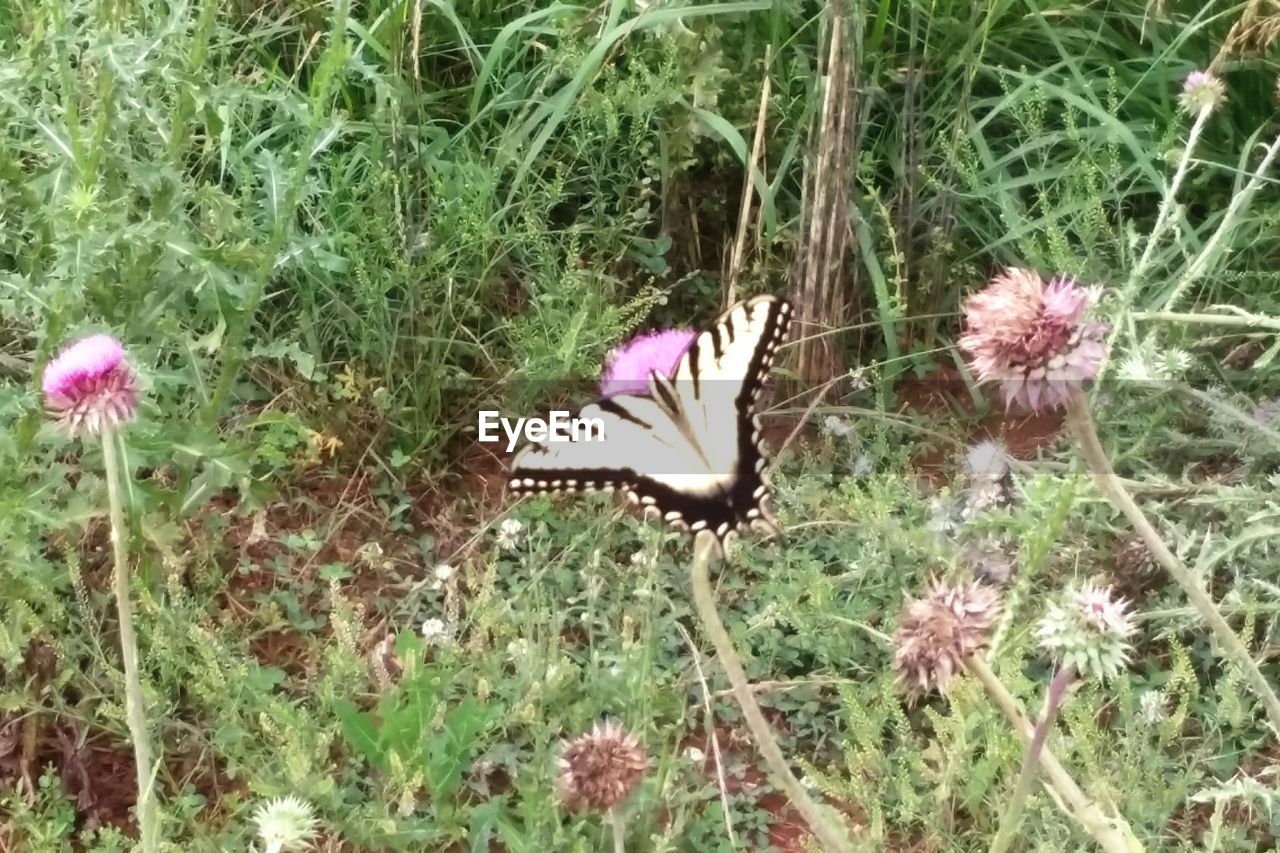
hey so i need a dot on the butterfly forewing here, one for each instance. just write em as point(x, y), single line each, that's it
point(690, 448)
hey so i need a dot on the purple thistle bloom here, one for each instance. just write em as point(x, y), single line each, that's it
point(90, 385)
point(1201, 90)
point(628, 367)
point(1030, 337)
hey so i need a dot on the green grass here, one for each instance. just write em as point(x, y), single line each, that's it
point(328, 233)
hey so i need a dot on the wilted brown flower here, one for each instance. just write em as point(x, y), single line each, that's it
point(598, 770)
point(937, 633)
point(1028, 336)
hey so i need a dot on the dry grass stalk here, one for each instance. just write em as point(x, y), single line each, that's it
point(744, 212)
point(822, 292)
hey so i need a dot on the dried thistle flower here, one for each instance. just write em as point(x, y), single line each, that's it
point(938, 633)
point(1133, 558)
point(285, 823)
point(599, 769)
point(993, 560)
point(986, 461)
point(1153, 707)
point(1029, 337)
point(1201, 90)
point(1088, 629)
point(90, 386)
point(627, 368)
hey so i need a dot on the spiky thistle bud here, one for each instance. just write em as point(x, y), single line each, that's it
point(938, 633)
point(285, 823)
point(1089, 629)
point(599, 769)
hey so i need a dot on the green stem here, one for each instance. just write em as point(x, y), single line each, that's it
point(619, 830)
point(1249, 321)
point(1238, 203)
point(704, 547)
point(1026, 777)
point(1113, 834)
point(1081, 423)
point(1166, 204)
point(135, 708)
point(1167, 207)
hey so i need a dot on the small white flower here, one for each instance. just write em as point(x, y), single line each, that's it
point(644, 559)
point(695, 755)
point(808, 782)
point(285, 823)
point(986, 462)
point(370, 553)
point(435, 630)
point(517, 649)
point(441, 573)
point(509, 533)
point(1153, 707)
point(836, 426)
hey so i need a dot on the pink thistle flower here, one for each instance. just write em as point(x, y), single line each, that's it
point(89, 386)
point(1202, 89)
point(1028, 337)
point(628, 367)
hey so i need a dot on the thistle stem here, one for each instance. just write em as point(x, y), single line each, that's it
point(704, 547)
point(1026, 777)
point(1238, 204)
point(1167, 203)
point(135, 709)
point(619, 830)
point(1113, 834)
point(1104, 476)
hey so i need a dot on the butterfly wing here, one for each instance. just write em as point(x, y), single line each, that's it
point(691, 448)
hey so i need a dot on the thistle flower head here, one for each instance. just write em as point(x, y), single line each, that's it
point(1029, 337)
point(938, 633)
point(90, 386)
point(627, 368)
point(285, 823)
point(1201, 90)
point(986, 461)
point(1088, 629)
point(599, 769)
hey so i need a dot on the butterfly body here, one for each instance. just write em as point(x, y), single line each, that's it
point(689, 449)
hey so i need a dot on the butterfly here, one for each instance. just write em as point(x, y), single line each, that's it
point(689, 448)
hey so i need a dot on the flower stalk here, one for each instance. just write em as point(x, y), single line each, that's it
point(704, 547)
point(619, 830)
point(1081, 424)
point(1238, 203)
point(135, 707)
point(1113, 834)
point(1030, 764)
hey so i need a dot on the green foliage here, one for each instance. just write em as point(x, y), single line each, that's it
point(327, 234)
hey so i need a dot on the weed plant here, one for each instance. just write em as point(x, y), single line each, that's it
point(328, 233)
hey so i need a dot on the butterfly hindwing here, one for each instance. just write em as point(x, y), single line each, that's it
point(690, 449)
